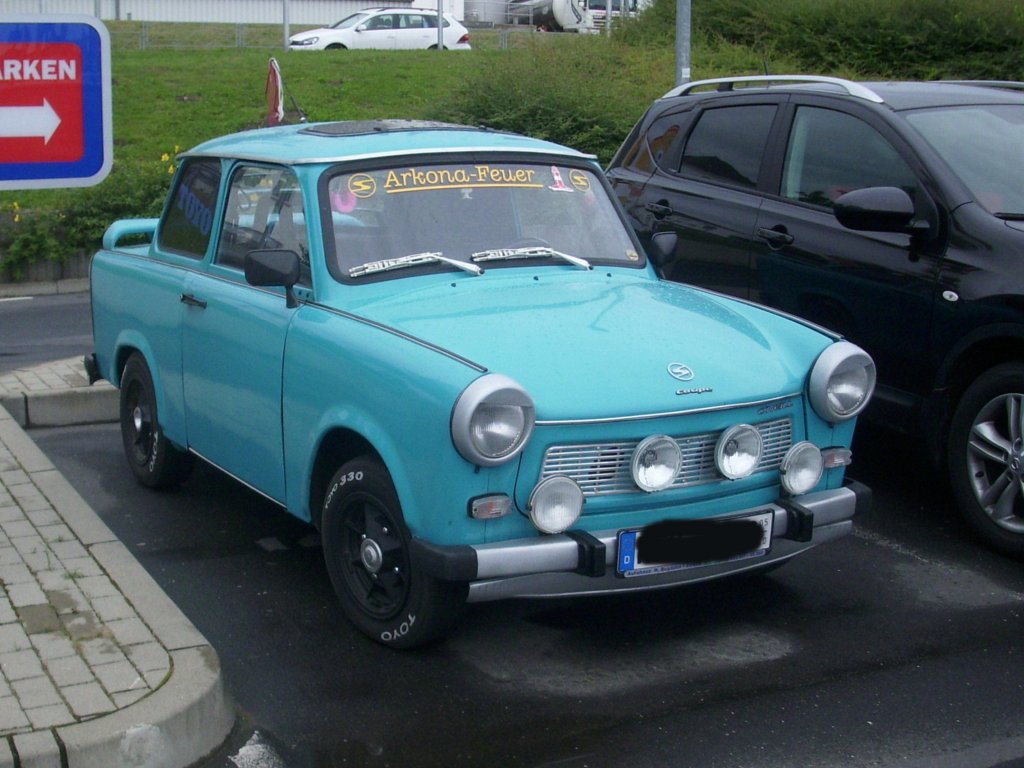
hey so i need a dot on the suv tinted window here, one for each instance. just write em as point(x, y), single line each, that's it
point(984, 145)
point(728, 143)
point(188, 220)
point(831, 152)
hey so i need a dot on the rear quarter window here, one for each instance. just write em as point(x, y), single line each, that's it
point(188, 221)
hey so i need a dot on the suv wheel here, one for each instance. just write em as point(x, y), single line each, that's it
point(986, 457)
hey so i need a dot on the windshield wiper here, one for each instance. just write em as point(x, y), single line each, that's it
point(1009, 216)
point(412, 260)
point(533, 252)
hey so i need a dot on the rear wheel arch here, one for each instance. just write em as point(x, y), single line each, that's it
point(968, 360)
point(154, 460)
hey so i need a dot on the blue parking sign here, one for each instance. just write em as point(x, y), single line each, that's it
point(55, 104)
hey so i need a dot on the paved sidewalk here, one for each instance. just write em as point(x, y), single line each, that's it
point(98, 667)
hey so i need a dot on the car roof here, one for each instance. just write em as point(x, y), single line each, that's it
point(338, 141)
point(915, 95)
point(393, 8)
point(898, 95)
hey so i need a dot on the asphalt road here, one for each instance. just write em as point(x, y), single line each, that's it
point(899, 645)
point(43, 328)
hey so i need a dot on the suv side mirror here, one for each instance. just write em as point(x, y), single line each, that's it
point(877, 209)
point(274, 267)
point(663, 247)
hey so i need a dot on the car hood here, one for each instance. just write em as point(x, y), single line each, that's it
point(600, 344)
point(318, 32)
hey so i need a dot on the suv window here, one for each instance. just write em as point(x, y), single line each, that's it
point(830, 153)
point(728, 143)
point(384, 21)
point(984, 145)
point(188, 220)
point(417, 21)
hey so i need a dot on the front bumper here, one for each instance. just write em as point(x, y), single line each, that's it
point(578, 562)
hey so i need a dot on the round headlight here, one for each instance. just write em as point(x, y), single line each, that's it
point(801, 468)
point(738, 451)
point(555, 504)
point(492, 420)
point(656, 462)
point(842, 381)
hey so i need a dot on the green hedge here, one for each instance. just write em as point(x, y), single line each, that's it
point(893, 39)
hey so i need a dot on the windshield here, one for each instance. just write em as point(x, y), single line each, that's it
point(408, 220)
point(984, 145)
point(350, 21)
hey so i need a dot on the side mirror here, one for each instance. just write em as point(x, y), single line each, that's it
point(274, 268)
point(663, 247)
point(361, 28)
point(877, 209)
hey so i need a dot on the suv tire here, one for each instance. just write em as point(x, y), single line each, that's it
point(986, 457)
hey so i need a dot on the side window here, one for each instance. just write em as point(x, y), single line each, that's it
point(411, 21)
point(664, 138)
point(384, 21)
point(264, 209)
point(188, 220)
point(831, 152)
point(727, 144)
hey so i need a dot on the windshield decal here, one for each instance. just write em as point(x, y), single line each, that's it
point(463, 177)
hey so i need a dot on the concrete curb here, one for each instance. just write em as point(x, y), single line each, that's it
point(46, 288)
point(185, 718)
point(64, 407)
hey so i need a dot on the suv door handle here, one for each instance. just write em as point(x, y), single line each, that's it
point(660, 210)
point(776, 237)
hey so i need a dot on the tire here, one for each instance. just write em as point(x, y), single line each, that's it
point(335, 47)
point(155, 462)
point(367, 550)
point(986, 457)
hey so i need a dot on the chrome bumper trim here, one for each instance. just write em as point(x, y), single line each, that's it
point(548, 566)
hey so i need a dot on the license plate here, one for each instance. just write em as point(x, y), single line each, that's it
point(679, 544)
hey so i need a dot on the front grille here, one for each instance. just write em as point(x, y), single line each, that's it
point(604, 468)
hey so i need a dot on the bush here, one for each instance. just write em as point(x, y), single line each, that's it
point(582, 91)
point(54, 234)
point(907, 40)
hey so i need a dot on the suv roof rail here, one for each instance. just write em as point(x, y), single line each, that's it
point(727, 83)
point(1012, 85)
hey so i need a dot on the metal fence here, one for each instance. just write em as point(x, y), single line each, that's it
point(147, 35)
point(302, 12)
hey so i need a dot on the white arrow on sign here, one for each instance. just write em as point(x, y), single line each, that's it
point(29, 122)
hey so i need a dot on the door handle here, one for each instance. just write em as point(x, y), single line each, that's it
point(776, 237)
point(660, 210)
point(192, 301)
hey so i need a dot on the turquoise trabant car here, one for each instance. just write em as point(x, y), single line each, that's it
point(444, 348)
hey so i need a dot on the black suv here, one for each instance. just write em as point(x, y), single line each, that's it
point(892, 213)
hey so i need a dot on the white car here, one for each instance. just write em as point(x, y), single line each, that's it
point(386, 28)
